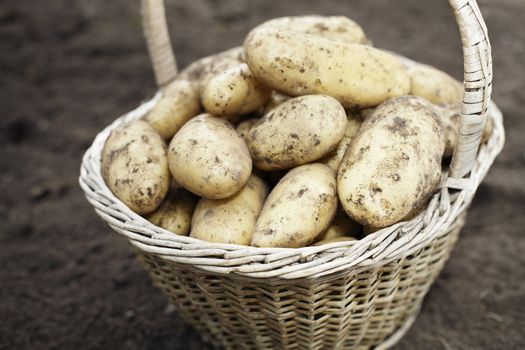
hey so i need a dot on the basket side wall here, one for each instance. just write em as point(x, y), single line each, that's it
point(347, 310)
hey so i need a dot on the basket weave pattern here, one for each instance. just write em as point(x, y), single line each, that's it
point(348, 310)
point(347, 295)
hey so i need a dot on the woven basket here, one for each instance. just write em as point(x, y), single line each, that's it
point(348, 295)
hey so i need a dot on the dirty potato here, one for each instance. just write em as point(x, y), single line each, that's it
point(434, 85)
point(450, 116)
point(298, 209)
point(341, 226)
point(394, 162)
point(336, 28)
point(230, 220)
point(334, 158)
point(234, 92)
point(298, 64)
point(209, 158)
point(178, 104)
point(276, 98)
point(174, 214)
point(333, 240)
point(135, 167)
point(298, 131)
point(204, 69)
point(243, 128)
point(353, 125)
point(363, 114)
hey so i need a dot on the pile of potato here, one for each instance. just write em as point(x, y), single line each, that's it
point(305, 135)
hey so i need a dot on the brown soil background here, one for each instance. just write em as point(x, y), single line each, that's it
point(68, 68)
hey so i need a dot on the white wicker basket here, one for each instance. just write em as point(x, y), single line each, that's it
point(353, 295)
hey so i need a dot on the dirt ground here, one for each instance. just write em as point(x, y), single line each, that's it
point(69, 67)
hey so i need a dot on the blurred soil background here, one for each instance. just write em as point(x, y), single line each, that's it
point(70, 67)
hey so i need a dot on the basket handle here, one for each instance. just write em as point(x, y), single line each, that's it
point(477, 71)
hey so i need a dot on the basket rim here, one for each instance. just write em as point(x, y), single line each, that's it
point(400, 239)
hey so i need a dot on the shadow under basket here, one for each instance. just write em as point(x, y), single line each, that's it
point(361, 294)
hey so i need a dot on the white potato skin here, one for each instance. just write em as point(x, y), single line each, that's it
point(341, 226)
point(276, 98)
point(336, 28)
point(179, 103)
point(175, 212)
point(333, 159)
point(208, 157)
point(436, 86)
point(296, 64)
point(233, 92)
point(205, 68)
point(450, 116)
point(334, 239)
point(135, 167)
point(298, 209)
point(230, 220)
point(299, 131)
point(394, 162)
point(243, 128)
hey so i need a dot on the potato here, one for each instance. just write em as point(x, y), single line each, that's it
point(233, 92)
point(299, 131)
point(202, 70)
point(230, 220)
point(298, 209)
point(276, 98)
point(487, 131)
point(209, 158)
point(450, 116)
point(353, 125)
point(244, 127)
point(334, 239)
point(134, 166)
point(363, 114)
point(334, 158)
point(337, 28)
point(394, 162)
point(342, 226)
point(298, 64)
point(434, 85)
point(174, 214)
point(178, 104)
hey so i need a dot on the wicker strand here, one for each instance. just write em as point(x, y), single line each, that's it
point(478, 70)
point(158, 41)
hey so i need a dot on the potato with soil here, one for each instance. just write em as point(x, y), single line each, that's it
point(436, 86)
point(298, 209)
point(174, 214)
point(341, 226)
point(333, 159)
point(135, 167)
point(230, 220)
point(205, 68)
point(334, 240)
point(243, 128)
point(178, 104)
point(208, 157)
point(394, 162)
point(276, 98)
point(299, 64)
point(450, 116)
point(234, 92)
point(299, 131)
point(336, 28)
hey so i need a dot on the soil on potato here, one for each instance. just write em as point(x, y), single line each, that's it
point(69, 67)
